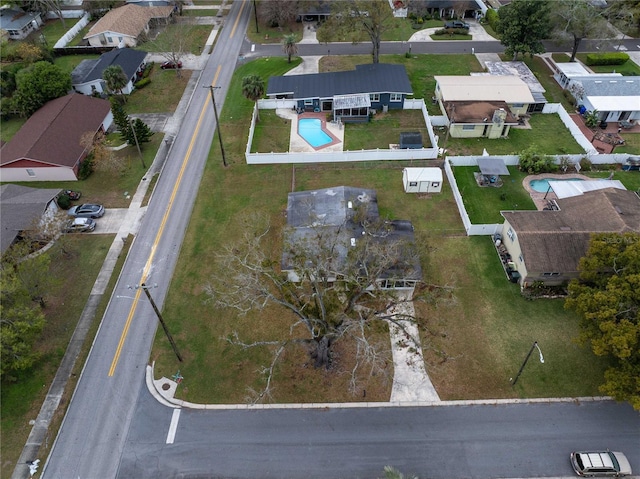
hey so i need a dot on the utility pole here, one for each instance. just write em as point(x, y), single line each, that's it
point(534, 345)
point(215, 112)
point(145, 288)
point(255, 13)
point(135, 137)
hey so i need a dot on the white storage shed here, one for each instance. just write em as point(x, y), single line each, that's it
point(422, 180)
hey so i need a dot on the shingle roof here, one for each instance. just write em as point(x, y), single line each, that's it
point(21, 208)
point(52, 134)
point(130, 20)
point(14, 18)
point(617, 86)
point(370, 78)
point(90, 70)
point(556, 240)
point(334, 210)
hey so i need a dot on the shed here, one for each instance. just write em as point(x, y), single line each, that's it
point(422, 180)
point(411, 139)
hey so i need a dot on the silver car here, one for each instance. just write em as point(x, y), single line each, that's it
point(80, 225)
point(87, 211)
point(600, 464)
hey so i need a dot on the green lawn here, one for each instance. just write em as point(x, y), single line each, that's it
point(69, 62)
point(384, 129)
point(53, 30)
point(477, 340)
point(548, 135)
point(21, 401)
point(195, 37)
point(483, 204)
point(162, 95)
point(627, 68)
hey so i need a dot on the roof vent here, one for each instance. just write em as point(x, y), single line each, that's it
point(353, 241)
point(565, 228)
point(350, 205)
point(618, 210)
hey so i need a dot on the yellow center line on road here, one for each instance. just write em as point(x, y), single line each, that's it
point(235, 25)
point(147, 267)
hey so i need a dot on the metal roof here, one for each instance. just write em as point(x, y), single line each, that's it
point(493, 166)
point(567, 189)
point(369, 78)
point(360, 100)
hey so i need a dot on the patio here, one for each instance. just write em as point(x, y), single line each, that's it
point(604, 140)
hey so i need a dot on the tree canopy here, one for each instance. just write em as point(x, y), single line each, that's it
point(289, 46)
point(325, 306)
point(253, 88)
point(523, 25)
point(607, 298)
point(38, 84)
point(575, 20)
point(115, 79)
point(349, 16)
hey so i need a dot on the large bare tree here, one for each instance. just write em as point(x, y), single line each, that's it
point(329, 295)
point(371, 16)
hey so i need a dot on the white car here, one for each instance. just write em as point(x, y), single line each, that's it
point(600, 464)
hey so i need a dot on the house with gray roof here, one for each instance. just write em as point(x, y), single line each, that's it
point(350, 95)
point(86, 78)
point(547, 245)
point(615, 98)
point(23, 209)
point(17, 23)
point(48, 146)
point(343, 217)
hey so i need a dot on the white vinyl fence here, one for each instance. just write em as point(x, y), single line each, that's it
point(73, 31)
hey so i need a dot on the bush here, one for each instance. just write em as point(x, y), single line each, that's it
point(64, 201)
point(611, 58)
point(585, 164)
point(452, 31)
point(86, 168)
point(492, 18)
point(534, 163)
point(567, 94)
point(142, 83)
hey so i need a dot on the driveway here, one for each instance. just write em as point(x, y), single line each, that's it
point(111, 221)
point(478, 34)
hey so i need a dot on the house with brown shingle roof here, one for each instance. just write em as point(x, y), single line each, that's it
point(125, 25)
point(547, 245)
point(47, 147)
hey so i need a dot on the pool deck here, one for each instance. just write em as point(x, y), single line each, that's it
point(541, 199)
point(298, 144)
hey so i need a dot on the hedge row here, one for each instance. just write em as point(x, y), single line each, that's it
point(613, 58)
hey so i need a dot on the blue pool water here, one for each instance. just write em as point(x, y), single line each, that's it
point(542, 186)
point(311, 130)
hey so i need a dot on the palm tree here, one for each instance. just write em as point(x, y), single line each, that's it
point(289, 46)
point(253, 89)
point(115, 79)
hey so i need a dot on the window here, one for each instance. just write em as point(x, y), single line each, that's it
point(413, 183)
point(31, 173)
point(374, 96)
point(518, 105)
point(110, 40)
point(521, 259)
point(511, 234)
point(308, 103)
point(550, 274)
point(395, 97)
point(435, 184)
point(468, 127)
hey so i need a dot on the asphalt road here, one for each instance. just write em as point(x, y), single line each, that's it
point(439, 442)
point(91, 439)
point(113, 428)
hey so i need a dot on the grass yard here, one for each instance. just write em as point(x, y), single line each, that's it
point(483, 205)
point(53, 30)
point(631, 143)
point(21, 401)
point(69, 62)
point(161, 95)
point(553, 91)
point(627, 68)
point(272, 133)
point(548, 135)
point(384, 129)
point(195, 37)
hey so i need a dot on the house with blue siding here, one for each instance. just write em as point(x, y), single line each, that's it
point(349, 95)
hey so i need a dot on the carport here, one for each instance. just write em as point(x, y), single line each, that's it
point(491, 169)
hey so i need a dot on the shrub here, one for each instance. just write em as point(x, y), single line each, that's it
point(592, 118)
point(86, 167)
point(567, 94)
point(611, 58)
point(534, 163)
point(492, 18)
point(585, 164)
point(64, 201)
point(142, 83)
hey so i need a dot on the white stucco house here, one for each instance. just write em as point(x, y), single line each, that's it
point(17, 23)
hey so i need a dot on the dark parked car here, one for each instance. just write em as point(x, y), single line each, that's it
point(171, 65)
point(73, 195)
point(600, 464)
point(456, 24)
point(80, 225)
point(87, 211)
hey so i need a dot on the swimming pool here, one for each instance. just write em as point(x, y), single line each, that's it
point(311, 130)
point(542, 186)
